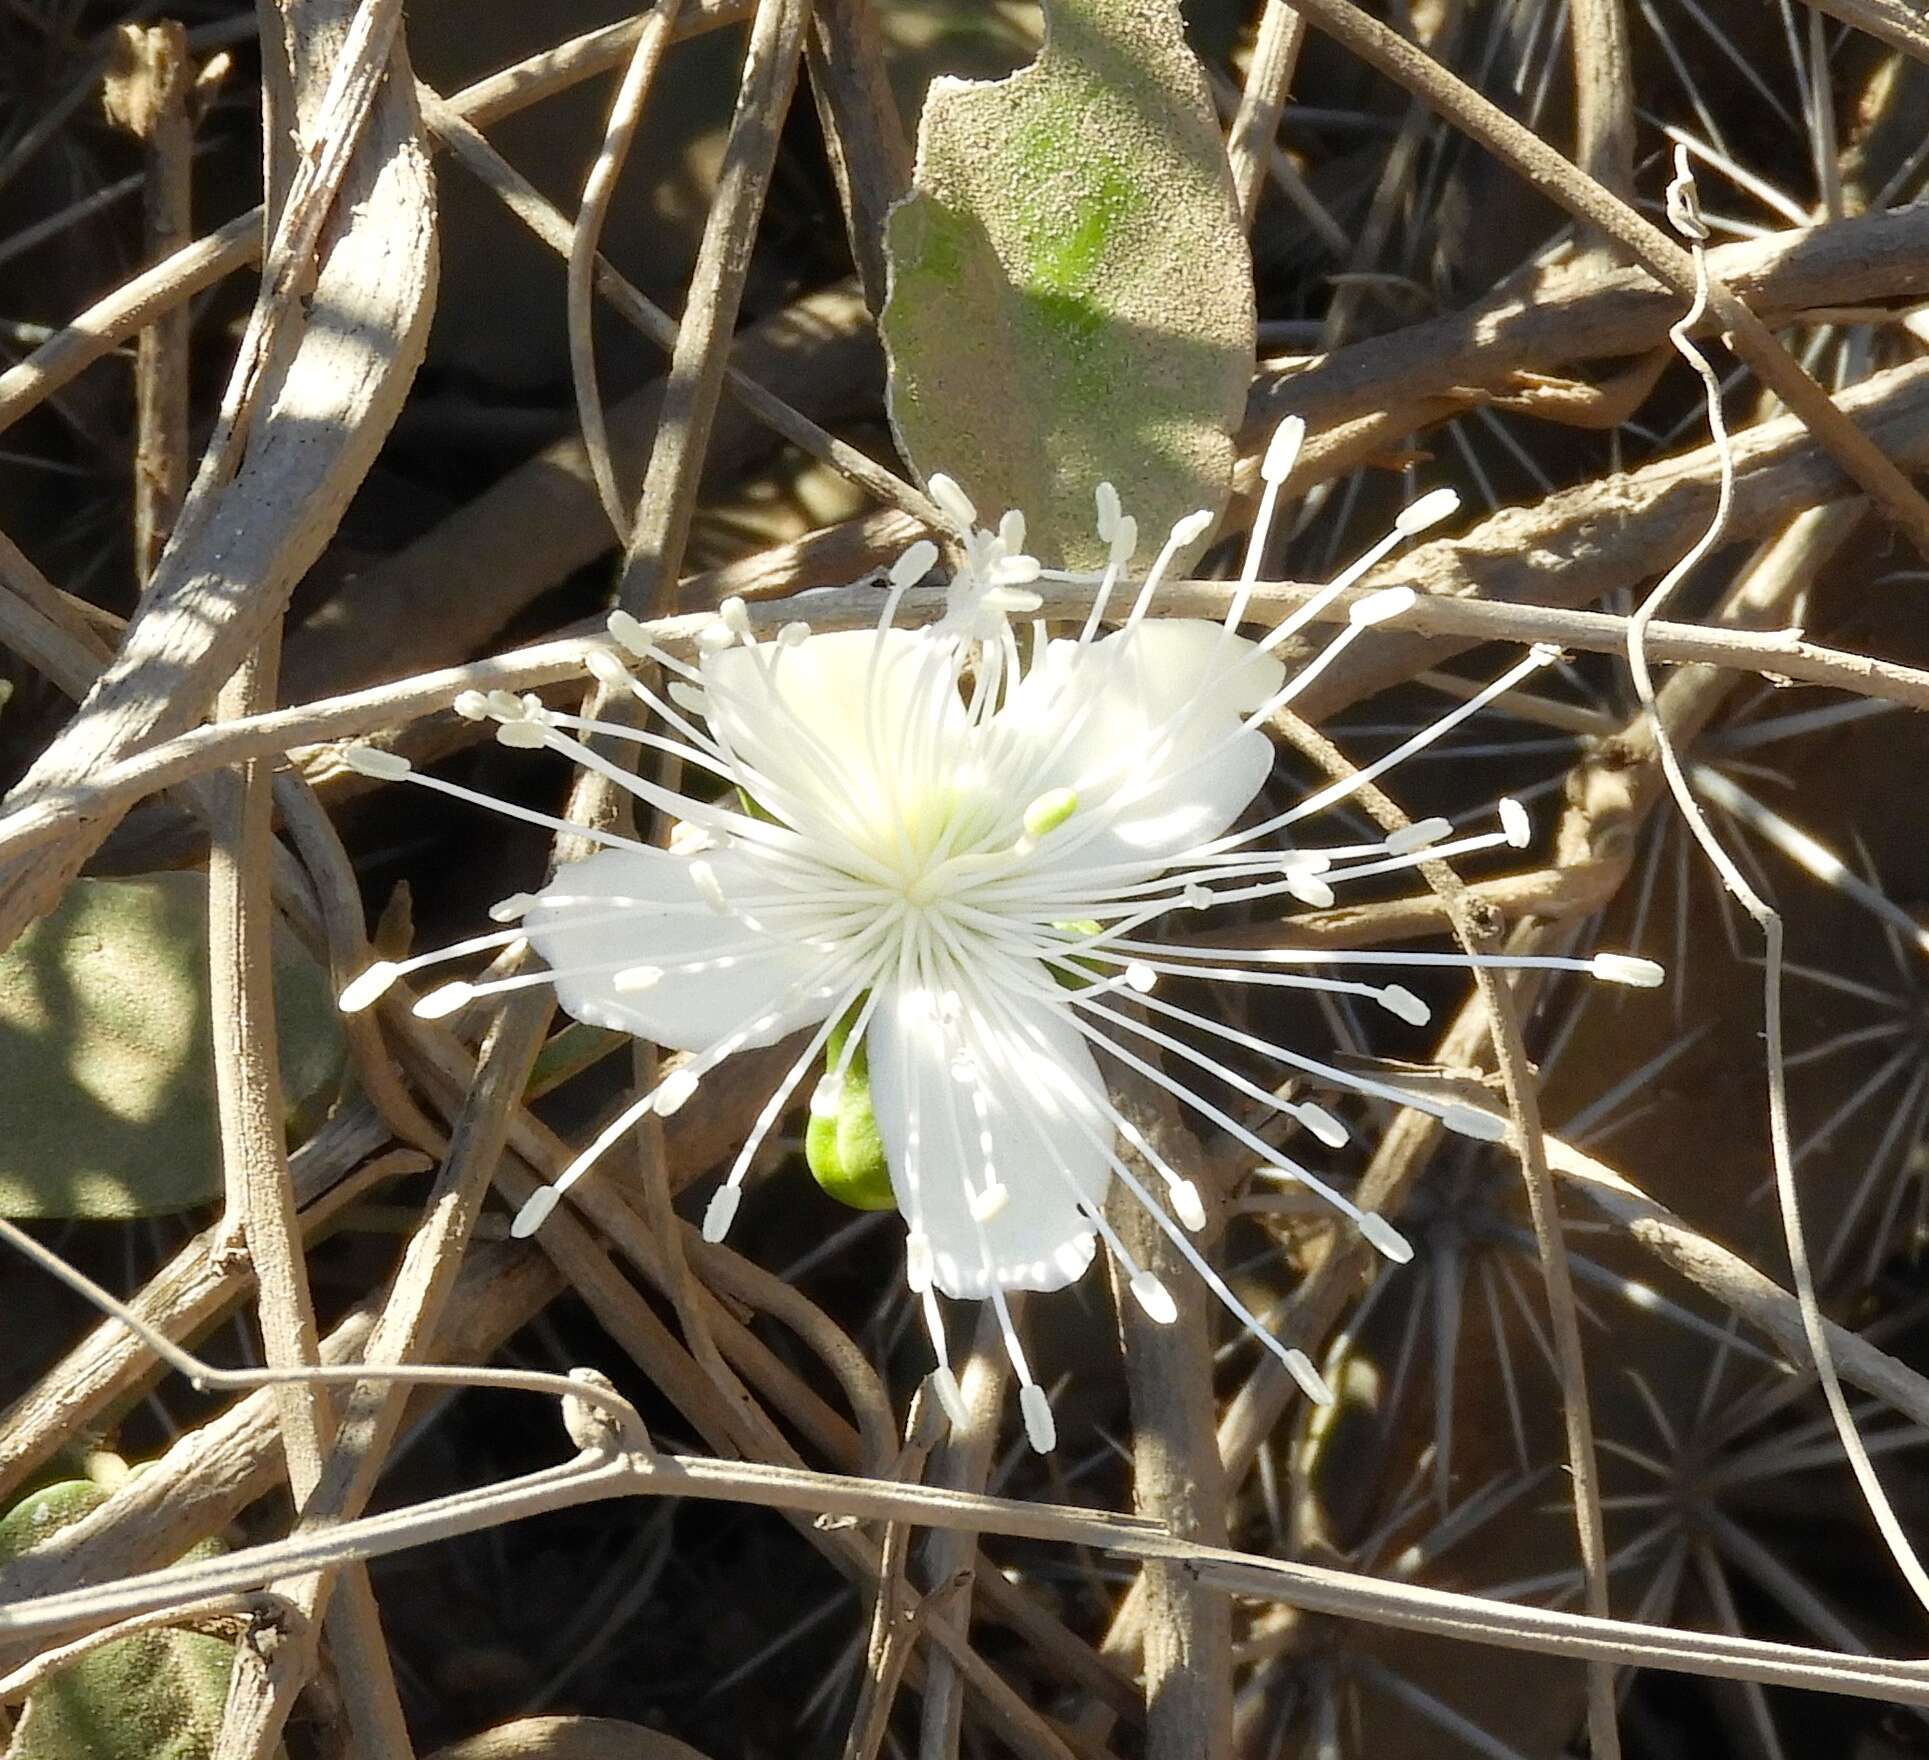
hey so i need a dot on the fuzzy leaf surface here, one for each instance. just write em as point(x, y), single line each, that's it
point(1071, 294)
point(107, 1110)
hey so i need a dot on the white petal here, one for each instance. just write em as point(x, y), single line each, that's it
point(1158, 715)
point(1181, 656)
point(805, 725)
point(926, 1116)
point(684, 1010)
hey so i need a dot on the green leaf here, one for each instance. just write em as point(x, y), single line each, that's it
point(107, 1110)
point(844, 1151)
point(1071, 294)
point(155, 1696)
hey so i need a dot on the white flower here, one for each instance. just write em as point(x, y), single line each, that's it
point(962, 843)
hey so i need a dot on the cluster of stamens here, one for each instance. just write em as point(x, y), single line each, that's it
point(963, 861)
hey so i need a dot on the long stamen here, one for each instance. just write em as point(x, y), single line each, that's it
point(387, 766)
point(667, 1097)
point(1296, 1362)
point(959, 837)
point(1147, 1288)
point(722, 1209)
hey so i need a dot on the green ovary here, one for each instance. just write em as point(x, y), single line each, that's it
point(843, 1149)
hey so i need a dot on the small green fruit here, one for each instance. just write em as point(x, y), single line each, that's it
point(842, 1145)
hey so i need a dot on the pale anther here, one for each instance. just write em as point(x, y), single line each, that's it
point(720, 1212)
point(1398, 1000)
point(1197, 897)
point(1417, 835)
point(1040, 1429)
point(735, 616)
point(1282, 451)
point(1187, 1205)
point(1378, 607)
point(673, 1092)
point(534, 1212)
point(360, 991)
point(1154, 1298)
point(1429, 510)
point(1311, 1383)
point(373, 761)
point(914, 564)
point(513, 908)
point(1384, 1238)
point(627, 632)
point(1309, 889)
point(945, 1385)
point(957, 505)
point(1626, 968)
point(1108, 510)
point(471, 706)
point(1193, 527)
point(444, 1000)
point(606, 669)
point(989, 1202)
point(1515, 825)
point(1323, 1124)
point(1049, 811)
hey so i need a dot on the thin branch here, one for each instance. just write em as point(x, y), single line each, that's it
point(226, 1616)
point(147, 93)
point(626, 111)
point(1683, 212)
point(269, 491)
point(1778, 654)
point(897, 1615)
point(1896, 22)
point(1497, 1005)
point(1739, 1286)
point(1182, 1629)
point(1603, 94)
point(1516, 145)
point(1255, 128)
point(260, 1198)
point(137, 303)
point(1345, 1594)
point(716, 287)
point(864, 135)
point(190, 1293)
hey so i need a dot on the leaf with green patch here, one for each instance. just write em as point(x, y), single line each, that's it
point(155, 1696)
point(1071, 294)
point(107, 1110)
point(842, 1146)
